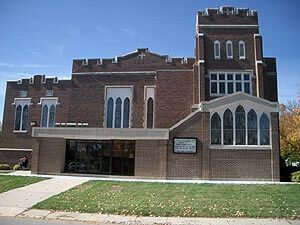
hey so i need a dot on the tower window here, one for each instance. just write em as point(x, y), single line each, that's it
point(229, 50)
point(242, 50)
point(217, 51)
point(223, 83)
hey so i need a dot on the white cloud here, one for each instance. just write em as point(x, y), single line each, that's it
point(2, 64)
point(36, 53)
point(4, 76)
point(36, 66)
point(100, 29)
point(60, 50)
point(128, 32)
point(70, 31)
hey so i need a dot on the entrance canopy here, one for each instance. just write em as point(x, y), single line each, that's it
point(101, 133)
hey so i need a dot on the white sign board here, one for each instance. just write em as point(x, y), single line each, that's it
point(185, 145)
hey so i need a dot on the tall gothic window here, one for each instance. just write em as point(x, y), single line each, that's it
point(25, 117)
point(48, 111)
point(215, 129)
point(126, 113)
point(228, 127)
point(118, 113)
point(217, 51)
point(242, 50)
point(118, 107)
point(18, 117)
point(229, 50)
point(150, 113)
point(252, 127)
point(44, 116)
point(52, 116)
point(240, 126)
point(264, 124)
point(110, 113)
point(21, 114)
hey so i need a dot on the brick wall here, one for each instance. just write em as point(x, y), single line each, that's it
point(12, 157)
point(186, 165)
point(35, 92)
point(48, 155)
point(173, 97)
point(151, 158)
point(240, 164)
point(87, 102)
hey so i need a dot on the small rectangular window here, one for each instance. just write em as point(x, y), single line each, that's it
point(221, 76)
point(238, 86)
point(238, 76)
point(246, 76)
point(221, 88)
point(23, 93)
point(213, 88)
point(230, 88)
point(229, 76)
point(49, 93)
point(213, 76)
point(247, 88)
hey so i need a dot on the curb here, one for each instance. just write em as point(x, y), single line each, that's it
point(120, 219)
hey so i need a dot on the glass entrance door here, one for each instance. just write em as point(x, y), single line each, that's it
point(100, 157)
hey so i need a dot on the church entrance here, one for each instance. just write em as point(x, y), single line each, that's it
point(108, 157)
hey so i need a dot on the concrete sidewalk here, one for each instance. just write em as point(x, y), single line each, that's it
point(148, 180)
point(18, 200)
point(119, 219)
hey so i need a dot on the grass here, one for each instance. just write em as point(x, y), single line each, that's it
point(185, 200)
point(11, 182)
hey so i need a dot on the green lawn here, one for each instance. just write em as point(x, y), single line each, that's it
point(11, 182)
point(185, 200)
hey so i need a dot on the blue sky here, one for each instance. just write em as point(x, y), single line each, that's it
point(42, 37)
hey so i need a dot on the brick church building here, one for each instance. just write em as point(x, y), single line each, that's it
point(211, 116)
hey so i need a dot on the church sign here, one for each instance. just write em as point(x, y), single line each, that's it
point(185, 145)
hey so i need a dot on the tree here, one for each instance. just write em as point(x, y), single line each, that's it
point(290, 130)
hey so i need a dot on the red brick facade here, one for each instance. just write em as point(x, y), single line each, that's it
point(181, 87)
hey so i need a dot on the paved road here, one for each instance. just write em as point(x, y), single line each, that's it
point(29, 221)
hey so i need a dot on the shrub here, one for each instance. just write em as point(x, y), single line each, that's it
point(17, 167)
point(296, 176)
point(4, 167)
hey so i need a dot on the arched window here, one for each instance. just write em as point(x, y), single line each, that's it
point(242, 50)
point(150, 113)
point(229, 50)
point(110, 113)
point(25, 117)
point(44, 116)
point(264, 124)
point(18, 117)
point(217, 51)
point(118, 112)
point(126, 113)
point(240, 126)
point(215, 129)
point(252, 127)
point(228, 127)
point(52, 116)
